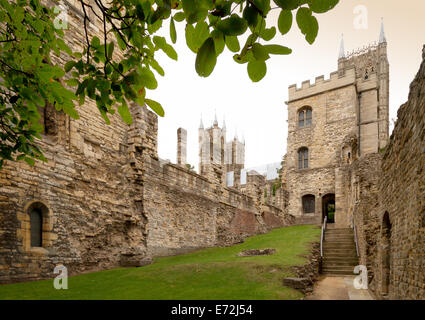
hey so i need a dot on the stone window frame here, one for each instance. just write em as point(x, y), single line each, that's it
point(24, 231)
point(302, 203)
point(302, 159)
point(306, 121)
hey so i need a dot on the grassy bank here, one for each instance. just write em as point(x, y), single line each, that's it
point(214, 273)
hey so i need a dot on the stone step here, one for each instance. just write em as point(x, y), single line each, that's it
point(339, 242)
point(339, 236)
point(339, 231)
point(339, 251)
point(339, 246)
point(338, 272)
point(330, 264)
point(348, 269)
point(340, 258)
point(346, 242)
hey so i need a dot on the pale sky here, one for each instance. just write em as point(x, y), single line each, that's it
point(258, 110)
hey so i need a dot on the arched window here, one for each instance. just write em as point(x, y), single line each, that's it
point(309, 203)
point(36, 222)
point(303, 158)
point(305, 116)
point(38, 218)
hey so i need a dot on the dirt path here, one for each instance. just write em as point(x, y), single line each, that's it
point(337, 288)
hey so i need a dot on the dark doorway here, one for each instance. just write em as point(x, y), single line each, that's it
point(328, 207)
point(386, 253)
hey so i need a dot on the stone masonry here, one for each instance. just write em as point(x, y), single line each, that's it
point(330, 123)
point(107, 200)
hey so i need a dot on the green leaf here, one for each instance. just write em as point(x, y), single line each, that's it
point(154, 64)
point(148, 78)
point(69, 65)
point(179, 16)
point(289, 4)
point(232, 43)
point(250, 14)
point(308, 24)
point(233, 26)
point(268, 34)
point(277, 49)
point(72, 82)
point(206, 58)
point(321, 6)
point(30, 161)
point(173, 33)
point(110, 50)
point(284, 23)
point(259, 52)
point(125, 113)
point(196, 36)
point(262, 5)
point(95, 42)
point(165, 47)
point(155, 106)
point(256, 70)
point(195, 10)
point(218, 37)
point(152, 28)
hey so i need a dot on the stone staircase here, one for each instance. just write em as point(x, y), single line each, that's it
point(339, 252)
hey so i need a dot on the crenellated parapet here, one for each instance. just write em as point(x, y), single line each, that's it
point(320, 85)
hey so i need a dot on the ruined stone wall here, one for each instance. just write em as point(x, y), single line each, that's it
point(88, 190)
point(107, 200)
point(385, 194)
point(361, 190)
point(402, 196)
point(186, 211)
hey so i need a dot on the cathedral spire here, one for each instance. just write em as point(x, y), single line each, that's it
point(201, 125)
point(382, 38)
point(342, 48)
point(224, 124)
point(215, 120)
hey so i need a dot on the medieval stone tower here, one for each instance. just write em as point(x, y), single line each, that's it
point(218, 156)
point(331, 123)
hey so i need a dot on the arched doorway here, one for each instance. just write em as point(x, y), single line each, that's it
point(328, 207)
point(386, 253)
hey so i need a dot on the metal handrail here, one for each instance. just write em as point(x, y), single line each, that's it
point(322, 237)
point(355, 235)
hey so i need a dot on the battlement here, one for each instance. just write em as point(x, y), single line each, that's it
point(368, 49)
point(320, 85)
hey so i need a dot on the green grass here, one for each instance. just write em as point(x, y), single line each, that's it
point(214, 273)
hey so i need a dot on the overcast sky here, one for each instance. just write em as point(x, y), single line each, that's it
point(257, 110)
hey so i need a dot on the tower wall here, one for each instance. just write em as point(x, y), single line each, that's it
point(353, 102)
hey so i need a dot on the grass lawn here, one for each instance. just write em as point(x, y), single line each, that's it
point(214, 273)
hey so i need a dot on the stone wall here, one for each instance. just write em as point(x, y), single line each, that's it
point(352, 103)
point(385, 194)
point(361, 189)
point(107, 200)
point(402, 197)
point(186, 211)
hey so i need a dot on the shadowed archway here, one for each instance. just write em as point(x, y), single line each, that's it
point(328, 207)
point(386, 253)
